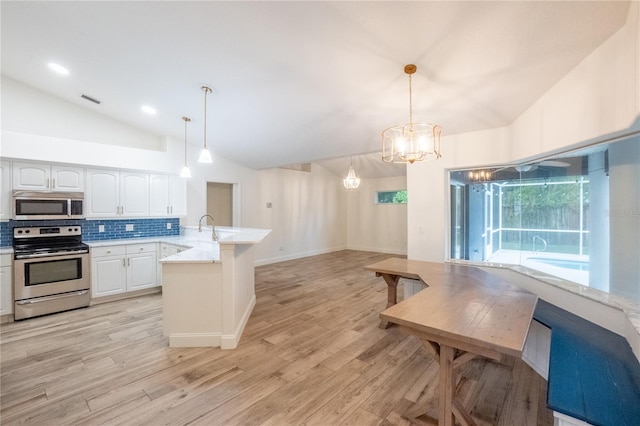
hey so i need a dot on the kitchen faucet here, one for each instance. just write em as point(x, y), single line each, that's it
point(214, 236)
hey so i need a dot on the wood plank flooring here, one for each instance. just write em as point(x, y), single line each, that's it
point(312, 353)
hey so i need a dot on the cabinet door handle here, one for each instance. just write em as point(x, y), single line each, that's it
point(171, 209)
point(128, 261)
point(53, 185)
point(124, 262)
point(48, 182)
point(167, 209)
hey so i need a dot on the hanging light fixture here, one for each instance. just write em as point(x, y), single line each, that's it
point(411, 142)
point(352, 181)
point(205, 155)
point(480, 175)
point(185, 173)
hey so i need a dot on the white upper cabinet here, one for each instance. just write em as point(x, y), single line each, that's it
point(103, 193)
point(134, 194)
point(178, 196)
point(117, 194)
point(159, 195)
point(168, 196)
point(5, 188)
point(43, 177)
point(67, 179)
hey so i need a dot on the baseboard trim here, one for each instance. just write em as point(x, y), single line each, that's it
point(194, 340)
point(126, 295)
point(231, 341)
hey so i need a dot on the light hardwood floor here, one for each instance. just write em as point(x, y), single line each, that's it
point(312, 353)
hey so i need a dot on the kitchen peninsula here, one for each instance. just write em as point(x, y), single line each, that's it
point(208, 290)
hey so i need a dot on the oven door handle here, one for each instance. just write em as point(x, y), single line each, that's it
point(49, 298)
point(35, 256)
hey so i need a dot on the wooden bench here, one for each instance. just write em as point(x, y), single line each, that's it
point(593, 374)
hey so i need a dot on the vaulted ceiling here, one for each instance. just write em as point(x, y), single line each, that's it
point(302, 81)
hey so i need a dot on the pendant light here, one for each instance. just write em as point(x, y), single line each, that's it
point(205, 155)
point(411, 142)
point(185, 173)
point(352, 181)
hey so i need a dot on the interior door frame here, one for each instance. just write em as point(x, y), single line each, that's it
point(236, 214)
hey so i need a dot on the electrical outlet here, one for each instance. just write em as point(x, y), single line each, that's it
point(100, 228)
point(128, 227)
point(168, 225)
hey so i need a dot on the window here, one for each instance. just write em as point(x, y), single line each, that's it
point(535, 215)
point(574, 217)
point(391, 197)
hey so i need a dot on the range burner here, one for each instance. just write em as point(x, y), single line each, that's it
point(30, 242)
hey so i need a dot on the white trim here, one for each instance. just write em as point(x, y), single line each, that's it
point(560, 419)
point(185, 340)
point(270, 260)
point(230, 341)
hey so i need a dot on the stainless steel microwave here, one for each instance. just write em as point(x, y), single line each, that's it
point(37, 205)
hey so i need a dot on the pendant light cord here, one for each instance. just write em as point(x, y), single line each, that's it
point(185, 142)
point(410, 105)
point(206, 90)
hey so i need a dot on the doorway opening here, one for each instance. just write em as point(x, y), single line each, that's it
point(221, 199)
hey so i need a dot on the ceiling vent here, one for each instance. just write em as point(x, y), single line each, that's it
point(89, 98)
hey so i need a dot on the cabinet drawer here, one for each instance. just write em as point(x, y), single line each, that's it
point(141, 248)
point(108, 251)
point(5, 259)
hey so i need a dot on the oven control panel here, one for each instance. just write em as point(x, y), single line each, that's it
point(47, 231)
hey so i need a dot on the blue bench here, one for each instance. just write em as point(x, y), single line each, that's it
point(593, 374)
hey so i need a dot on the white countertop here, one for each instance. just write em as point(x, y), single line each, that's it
point(200, 247)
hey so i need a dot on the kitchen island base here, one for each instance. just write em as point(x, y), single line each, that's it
point(207, 302)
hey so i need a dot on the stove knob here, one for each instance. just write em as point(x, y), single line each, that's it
point(20, 231)
point(70, 229)
point(28, 231)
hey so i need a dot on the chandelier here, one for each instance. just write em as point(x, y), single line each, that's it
point(480, 175)
point(352, 181)
point(411, 142)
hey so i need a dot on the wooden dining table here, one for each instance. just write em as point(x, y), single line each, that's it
point(464, 312)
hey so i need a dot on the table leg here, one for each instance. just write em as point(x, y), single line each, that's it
point(392, 293)
point(446, 386)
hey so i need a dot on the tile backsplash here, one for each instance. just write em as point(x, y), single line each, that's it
point(107, 229)
point(129, 228)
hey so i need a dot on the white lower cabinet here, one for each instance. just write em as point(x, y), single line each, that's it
point(141, 266)
point(6, 285)
point(118, 269)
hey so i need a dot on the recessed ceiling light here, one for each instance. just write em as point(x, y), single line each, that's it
point(58, 68)
point(148, 110)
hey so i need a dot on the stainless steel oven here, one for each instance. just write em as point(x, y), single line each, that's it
point(51, 270)
point(30, 205)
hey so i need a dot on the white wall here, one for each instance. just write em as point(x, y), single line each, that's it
point(307, 213)
point(377, 227)
point(26, 110)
